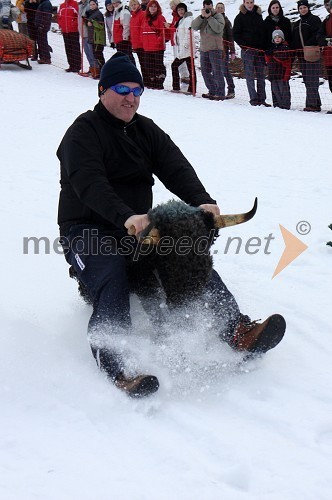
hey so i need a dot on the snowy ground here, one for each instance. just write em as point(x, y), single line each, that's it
point(264, 432)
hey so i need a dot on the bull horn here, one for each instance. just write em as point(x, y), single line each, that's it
point(150, 235)
point(221, 221)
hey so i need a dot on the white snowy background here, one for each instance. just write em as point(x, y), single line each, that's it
point(214, 430)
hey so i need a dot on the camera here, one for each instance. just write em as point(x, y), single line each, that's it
point(207, 11)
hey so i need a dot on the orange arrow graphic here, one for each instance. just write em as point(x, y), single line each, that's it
point(293, 248)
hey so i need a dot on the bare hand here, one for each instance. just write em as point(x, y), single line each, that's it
point(208, 207)
point(136, 224)
point(233, 56)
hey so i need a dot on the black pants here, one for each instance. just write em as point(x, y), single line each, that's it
point(126, 48)
point(43, 47)
point(110, 277)
point(176, 77)
point(310, 73)
point(155, 68)
point(72, 47)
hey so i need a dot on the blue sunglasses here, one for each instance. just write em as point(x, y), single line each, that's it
point(125, 90)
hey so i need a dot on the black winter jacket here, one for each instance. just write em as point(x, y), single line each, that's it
point(311, 27)
point(283, 24)
point(44, 15)
point(248, 28)
point(107, 170)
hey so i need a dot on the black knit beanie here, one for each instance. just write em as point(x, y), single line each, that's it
point(118, 69)
point(302, 2)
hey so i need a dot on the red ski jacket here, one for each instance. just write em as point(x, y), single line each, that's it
point(137, 18)
point(153, 33)
point(68, 16)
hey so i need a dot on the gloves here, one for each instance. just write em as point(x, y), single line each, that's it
point(5, 22)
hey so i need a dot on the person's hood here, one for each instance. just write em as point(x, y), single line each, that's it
point(256, 9)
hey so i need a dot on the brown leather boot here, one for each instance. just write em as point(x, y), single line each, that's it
point(137, 387)
point(258, 337)
point(85, 73)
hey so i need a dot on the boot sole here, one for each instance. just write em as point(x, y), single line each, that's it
point(147, 386)
point(271, 336)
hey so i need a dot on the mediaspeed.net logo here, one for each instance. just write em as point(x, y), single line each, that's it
point(294, 247)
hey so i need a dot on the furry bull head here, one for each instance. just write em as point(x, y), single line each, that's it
point(182, 237)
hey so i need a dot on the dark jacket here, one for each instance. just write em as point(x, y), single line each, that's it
point(327, 27)
point(228, 36)
point(279, 62)
point(311, 27)
point(283, 24)
point(248, 28)
point(44, 15)
point(107, 170)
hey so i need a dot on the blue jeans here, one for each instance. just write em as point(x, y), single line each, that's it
point(227, 73)
point(212, 67)
point(109, 278)
point(88, 50)
point(254, 64)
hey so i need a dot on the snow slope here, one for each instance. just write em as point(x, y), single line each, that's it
point(214, 430)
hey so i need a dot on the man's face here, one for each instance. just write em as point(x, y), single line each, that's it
point(249, 4)
point(327, 6)
point(122, 107)
point(303, 10)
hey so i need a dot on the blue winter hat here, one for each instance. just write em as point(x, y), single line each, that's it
point(118, 69)
point(107, 2)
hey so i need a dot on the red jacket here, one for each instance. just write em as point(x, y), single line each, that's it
point(153, 33)
point(68, 16)
point(137, 18)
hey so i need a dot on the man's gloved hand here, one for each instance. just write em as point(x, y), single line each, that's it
point(40, 28)
point(5, 22)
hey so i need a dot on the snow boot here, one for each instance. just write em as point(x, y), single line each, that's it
point(137, 387)
point(259, 338)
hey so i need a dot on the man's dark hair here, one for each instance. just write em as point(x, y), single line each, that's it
point(207, 2)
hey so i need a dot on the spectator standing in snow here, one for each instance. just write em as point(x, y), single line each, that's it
point(43, 25)
point(137, 18)
point(327, 51)
point(83, 8)
point(109, 19)
point(309, 27)
point(68, 23)
point(279, 63)
point(31, 7)
point(229, 50)
point(153, 38)
point(249, 34)
point(211, 25)
point(121, 29)
point(108, 159)
point(184, 73)
point(182, 44)
point(96, 36)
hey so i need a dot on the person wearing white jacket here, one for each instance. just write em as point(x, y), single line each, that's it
point(182, 48)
